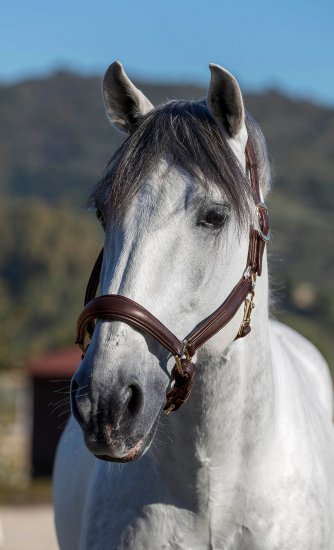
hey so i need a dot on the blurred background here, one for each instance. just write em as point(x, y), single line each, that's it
point(54, 142)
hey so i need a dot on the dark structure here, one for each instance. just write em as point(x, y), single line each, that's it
point(50, 379)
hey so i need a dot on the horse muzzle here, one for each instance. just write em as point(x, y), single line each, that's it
point(117, 412)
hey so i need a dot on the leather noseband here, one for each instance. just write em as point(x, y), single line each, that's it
point(114, 307)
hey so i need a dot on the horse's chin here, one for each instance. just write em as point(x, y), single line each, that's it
point(136, 452)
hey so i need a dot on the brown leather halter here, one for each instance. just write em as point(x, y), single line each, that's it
point(115, 307)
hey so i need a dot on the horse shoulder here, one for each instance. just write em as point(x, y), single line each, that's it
point(310, 365)
point(71, 477)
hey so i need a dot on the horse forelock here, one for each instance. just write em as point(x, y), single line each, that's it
point(183, 133)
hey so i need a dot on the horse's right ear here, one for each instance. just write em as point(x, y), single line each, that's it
point(124, 103)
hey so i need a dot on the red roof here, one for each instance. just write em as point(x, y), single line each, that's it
point(56, 364)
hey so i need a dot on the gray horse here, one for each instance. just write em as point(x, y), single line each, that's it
point(248, 462)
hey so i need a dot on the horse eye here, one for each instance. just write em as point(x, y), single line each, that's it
point(214, 218)
point(100, 216)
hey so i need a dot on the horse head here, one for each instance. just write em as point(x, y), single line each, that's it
point(176, 206)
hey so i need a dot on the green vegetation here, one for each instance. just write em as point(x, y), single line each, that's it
point(46, 255)
point(54, 142)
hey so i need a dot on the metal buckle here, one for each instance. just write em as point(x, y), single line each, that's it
point(178, 364)
point(249, 273)
point(265, 237)
point(170, 409)
point(178, 358)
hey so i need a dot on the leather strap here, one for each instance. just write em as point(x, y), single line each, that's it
point(92, 286)
point(113, 307)
point(257, 238)
point(219, 318)
point(183, 383)
point(94, 279)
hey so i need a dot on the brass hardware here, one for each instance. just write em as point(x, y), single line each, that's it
point(170, 408)
point(249, 306)
point(179, 364)
point(248, 272)
point(178, 358)
point(253, 277)
point(185, 351)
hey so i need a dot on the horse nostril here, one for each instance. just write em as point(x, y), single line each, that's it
point(135, 399)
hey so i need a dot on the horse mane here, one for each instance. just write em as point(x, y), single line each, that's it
point(184, 133)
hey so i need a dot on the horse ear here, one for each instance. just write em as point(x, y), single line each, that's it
point(124, 103)
point(225, 101)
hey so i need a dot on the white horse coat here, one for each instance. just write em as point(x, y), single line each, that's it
point(248, 462)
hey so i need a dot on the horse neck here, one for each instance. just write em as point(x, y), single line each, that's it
point(226, 422)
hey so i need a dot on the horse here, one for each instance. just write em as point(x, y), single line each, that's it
point(247, 462)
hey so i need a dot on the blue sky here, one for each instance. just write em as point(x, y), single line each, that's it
point(288, 44)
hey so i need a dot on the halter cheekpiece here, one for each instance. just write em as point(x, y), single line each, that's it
point(114, 307)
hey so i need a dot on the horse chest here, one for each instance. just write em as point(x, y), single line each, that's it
point(167, 527)
point(219, 526)
point(126, 522)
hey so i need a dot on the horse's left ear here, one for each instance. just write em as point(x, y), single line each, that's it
point(124, 103)
point(225, 101)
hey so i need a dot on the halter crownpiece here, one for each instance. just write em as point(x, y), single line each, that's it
point(114, 307)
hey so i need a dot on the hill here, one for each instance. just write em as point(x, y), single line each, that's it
point(54, 142)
